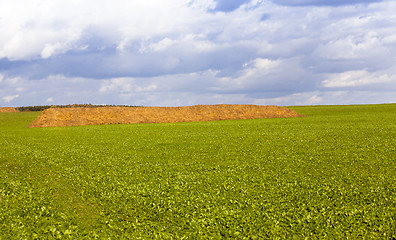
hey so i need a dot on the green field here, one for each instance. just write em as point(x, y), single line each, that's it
point(331, 175)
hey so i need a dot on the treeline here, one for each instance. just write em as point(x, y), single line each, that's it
point(42, 108)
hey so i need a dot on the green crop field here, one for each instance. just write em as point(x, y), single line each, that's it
point(330, 175)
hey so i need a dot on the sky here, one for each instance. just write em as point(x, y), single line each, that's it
point(188, 52)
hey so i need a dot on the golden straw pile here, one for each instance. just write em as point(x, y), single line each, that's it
point(7, 109)
point(57, 117)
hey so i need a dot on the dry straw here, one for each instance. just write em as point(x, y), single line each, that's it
point(57, 117)
point(7, 109)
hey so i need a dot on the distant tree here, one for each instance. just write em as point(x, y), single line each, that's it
point(42, 108)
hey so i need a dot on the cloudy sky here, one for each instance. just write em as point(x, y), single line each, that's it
point(187, 52)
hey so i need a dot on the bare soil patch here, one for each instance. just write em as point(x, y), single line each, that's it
point(7, 109)
point(59, 117)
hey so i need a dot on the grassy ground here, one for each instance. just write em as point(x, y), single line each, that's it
point(330, 175)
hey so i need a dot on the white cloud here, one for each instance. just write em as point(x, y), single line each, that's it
point(175, 90)
point(161, 45)
point(356, 79)
point(8, 99)
point(125, 86)
point(14, 81)
point(322, 2)
point(42, 28)
point(50, 49)
point(358, 46)
point(330, 97)
point(29, 29)
point(305, 98)
point(257, 69)
point(189, 52)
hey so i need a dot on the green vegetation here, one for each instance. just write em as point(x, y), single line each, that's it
point(331, 175)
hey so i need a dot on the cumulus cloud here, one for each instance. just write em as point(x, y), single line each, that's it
point(267, 78)
point(353, 47)
point(358, 78)
point(31, 29)
point(181, 52)
point(323, 2)
point(8, 99)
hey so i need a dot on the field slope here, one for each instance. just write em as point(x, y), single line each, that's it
point(331, 175)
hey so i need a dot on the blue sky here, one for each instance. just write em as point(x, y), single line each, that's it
point(187, 52)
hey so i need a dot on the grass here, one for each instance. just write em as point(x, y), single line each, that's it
point(330, 175)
